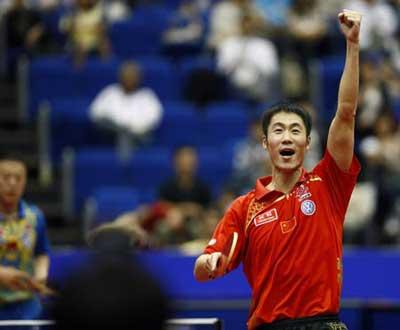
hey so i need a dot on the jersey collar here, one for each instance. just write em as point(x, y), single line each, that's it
point(262, 183)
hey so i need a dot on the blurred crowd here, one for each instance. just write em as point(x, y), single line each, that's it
point(265, 50)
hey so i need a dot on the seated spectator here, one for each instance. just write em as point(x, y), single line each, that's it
point(186, 29)
point(382, 153)
point(359, 214)
point(178, 215)
point(250, 161)
point(116, 10)
point(379, 21)
point(225, 20)
point(128, 109)
point(374, 97)
point(87, 31)
point(307, 39)
point(189, 196)
point(250, 62)
point(25, 33)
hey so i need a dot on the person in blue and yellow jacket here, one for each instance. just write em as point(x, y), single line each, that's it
point(24, 246)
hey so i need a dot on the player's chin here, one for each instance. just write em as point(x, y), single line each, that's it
point(288, 167)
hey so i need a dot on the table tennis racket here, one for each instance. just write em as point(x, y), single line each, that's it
point(228, 249)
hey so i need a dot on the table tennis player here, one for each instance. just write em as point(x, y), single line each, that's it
point(289, 227)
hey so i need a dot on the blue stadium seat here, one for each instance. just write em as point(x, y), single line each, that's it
point(150, 167)
point(189, 64)
point(112, 201)
point(98, 167)
point(330, 71)
point(161, 75)
point(209, 127)
point(179, 128)
point(55, 77)
point(72, 127)
point(144, 172)
point(141, 34)
point(215, 167)
point(396, 109)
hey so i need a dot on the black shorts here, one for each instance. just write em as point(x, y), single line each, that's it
point(325, 322)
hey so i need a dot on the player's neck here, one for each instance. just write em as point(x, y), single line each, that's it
point(284, 181)
point(8, 208)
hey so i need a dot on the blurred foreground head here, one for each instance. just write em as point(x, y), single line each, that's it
point(110, 293)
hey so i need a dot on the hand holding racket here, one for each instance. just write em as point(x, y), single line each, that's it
point(218, 262)
point(42, 288)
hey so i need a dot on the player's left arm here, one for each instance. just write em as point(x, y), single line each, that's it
point(341, 132)
point(41, 266)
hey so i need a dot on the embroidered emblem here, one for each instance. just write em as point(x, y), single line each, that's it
point(308, 207)
point(288, 226)
point(268, 216)
point(302, 193)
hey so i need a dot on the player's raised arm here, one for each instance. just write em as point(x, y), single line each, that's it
point(341, 131)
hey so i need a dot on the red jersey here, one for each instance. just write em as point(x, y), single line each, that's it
point(291, 244)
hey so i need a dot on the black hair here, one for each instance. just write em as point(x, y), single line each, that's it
point(287, 107)
point(112, 293)
point(11, 155)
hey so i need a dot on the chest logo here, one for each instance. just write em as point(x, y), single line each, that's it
point(302, 193)
point(268, 216)
point(308, 207)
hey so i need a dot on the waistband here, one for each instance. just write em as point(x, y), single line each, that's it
point(298, 322)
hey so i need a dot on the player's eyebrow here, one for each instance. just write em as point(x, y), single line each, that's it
point(280, 124)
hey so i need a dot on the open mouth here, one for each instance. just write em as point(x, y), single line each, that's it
point(286, 152)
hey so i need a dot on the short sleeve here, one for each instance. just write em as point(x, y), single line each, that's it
point(42, 242)
point(232, 221)
point(339, 184)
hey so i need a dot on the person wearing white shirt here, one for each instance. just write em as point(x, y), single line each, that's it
point(250, 62)
point(127, 108)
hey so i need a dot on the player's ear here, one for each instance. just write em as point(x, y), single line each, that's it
point(264, 142)
point(308, 142)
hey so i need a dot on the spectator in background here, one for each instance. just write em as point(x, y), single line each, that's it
point(314, 152)
point(250, 161)
point(250, 62)
point(4, 6)
point(87, 31)
point(225, 20)
point(186, 28)
point(380, 23)
point(25, 33)
point(116, 10)
point(24, 246)
point(307, 31)
point(382, 154)
point(176, 218)
point(274, 13)
point(188, 193)
point(110, 292)
point(127, 108)
point(373, 93)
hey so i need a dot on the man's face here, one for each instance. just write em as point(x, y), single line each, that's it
point(186, 161)
point(287, 141)
point(12, 181)
point(130, 78)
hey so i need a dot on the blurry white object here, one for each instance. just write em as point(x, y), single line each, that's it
point(362, 206)
point(138, 112)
